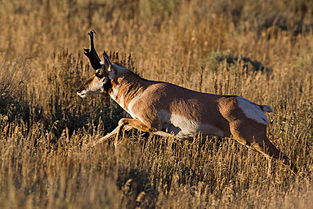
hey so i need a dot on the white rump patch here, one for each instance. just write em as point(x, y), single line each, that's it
point(252, 110)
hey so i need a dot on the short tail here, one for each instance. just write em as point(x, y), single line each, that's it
point(266, 108)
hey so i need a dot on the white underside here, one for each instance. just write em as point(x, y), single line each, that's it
point(185, 128)
point(174, 123)
point(252, 110)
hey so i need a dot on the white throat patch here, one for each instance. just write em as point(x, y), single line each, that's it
point(131, 105)
point(115, 91)
point(252, 110)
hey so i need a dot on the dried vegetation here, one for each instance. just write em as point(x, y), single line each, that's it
point(198, 44)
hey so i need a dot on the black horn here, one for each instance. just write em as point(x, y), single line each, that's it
point(92, 53)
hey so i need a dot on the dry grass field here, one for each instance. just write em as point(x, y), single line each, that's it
point(201, 45)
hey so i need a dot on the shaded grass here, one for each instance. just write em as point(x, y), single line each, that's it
point(44, 124)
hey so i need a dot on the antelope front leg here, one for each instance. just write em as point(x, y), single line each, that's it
point(109, 135)
point(128, 124)
point(115, 132)
point(125, 124)
point(134, 123)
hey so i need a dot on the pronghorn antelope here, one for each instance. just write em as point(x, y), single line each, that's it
point(169, 110)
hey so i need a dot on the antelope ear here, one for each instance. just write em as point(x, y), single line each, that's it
point(109, 66)
point(107, 61)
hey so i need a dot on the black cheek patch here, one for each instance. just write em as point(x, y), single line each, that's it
point(107, 86)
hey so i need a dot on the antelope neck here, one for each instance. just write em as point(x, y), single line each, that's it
point(126, 87)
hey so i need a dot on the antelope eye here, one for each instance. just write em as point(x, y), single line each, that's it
point(99, 74)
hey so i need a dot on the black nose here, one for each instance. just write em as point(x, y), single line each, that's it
point(80, 89)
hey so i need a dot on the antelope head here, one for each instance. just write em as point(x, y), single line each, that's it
point(100, 82)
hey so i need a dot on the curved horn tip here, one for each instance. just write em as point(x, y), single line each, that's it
point(91, 33)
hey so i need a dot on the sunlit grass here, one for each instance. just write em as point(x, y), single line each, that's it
point(44, 125)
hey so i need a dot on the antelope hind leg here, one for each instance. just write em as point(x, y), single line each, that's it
point(254, 135)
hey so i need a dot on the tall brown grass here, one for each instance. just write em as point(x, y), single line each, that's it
point(44, 124)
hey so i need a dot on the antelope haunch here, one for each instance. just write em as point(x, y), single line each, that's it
point(169, 110)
